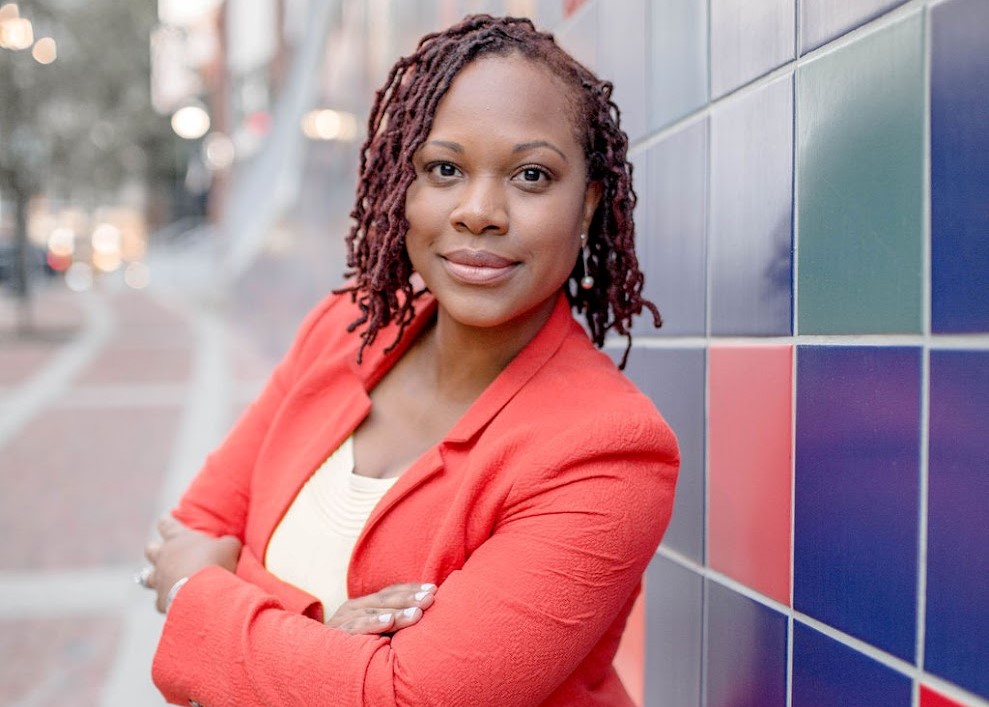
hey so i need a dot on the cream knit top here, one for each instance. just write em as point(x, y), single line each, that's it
point(312, 545)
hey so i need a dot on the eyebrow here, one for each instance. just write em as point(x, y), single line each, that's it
point(521, 147)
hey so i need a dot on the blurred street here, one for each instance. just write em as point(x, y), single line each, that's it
point(106, 409)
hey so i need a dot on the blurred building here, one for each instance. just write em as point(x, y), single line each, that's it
point(812, 182)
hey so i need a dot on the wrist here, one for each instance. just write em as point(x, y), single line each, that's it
point(173, 591)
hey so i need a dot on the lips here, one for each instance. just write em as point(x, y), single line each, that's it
point(477, 267)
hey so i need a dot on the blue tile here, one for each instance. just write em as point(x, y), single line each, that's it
point(746, 651)
point(959, 167)
point(749, 39)
point(752, 213)
point(856, 491)
point(823, 20)
point(622, 52)
point(671, 243)
point(674, 380)
point(826, 673)
point(677, 59)
point(674, 601)
point(957, 636)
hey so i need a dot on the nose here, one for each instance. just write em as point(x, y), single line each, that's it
point(482, 208)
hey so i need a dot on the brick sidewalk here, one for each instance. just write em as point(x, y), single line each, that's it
point(105, 412)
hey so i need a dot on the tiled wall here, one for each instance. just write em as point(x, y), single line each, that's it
point(814, 221)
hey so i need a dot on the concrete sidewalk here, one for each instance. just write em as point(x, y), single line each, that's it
point(105, 413)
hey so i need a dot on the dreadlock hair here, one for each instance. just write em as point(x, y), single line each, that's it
point(401, 119)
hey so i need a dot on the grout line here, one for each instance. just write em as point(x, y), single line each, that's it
point(925, 373)
point(945, 343)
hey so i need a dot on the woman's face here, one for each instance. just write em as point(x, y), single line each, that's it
point(500, 196)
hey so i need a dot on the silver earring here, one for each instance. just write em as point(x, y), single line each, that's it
point(586, 282)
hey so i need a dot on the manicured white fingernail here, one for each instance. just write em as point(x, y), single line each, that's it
point(410, 613)
point(427, 587)
point(419, 596)
point(384, 618)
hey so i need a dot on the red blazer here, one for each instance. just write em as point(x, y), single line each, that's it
point(536, 516)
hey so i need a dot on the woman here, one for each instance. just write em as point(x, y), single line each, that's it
point(509, 485)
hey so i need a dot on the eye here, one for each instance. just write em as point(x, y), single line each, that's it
point(443, 170)
point(533, 175)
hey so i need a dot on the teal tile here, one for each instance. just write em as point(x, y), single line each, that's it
point(860, 132)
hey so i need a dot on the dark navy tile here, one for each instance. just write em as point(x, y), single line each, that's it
point(752, 213)
point(622, 53)
point(677, 59)
point(746, 651)
point(674, 610)
point(957, 636)
point(856, 491)
point(823, 20)
point(674, 380)
point(959, 167)
point(826, 673)
point(672, 237)
point(860, 191)
point(749, 39)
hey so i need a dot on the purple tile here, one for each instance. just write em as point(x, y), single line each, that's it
point(674, 600)
point(959, 179)
point(671, 241)
point(856, 491)
point(678, 59)
point(749, 39)
point(674, 379)
point(826, 672)
point(746, 651)
point(957, 635)
point(752, 212)
point(622, 50)
point(823, 20)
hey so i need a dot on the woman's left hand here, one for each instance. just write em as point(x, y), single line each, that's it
point(183, 552)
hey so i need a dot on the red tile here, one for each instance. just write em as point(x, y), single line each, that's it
point(630, 659)
point(929, 698)
point(750, 465)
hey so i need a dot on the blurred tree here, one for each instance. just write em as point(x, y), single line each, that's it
point(80, 129)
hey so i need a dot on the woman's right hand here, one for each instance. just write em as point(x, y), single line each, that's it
point(395, 607)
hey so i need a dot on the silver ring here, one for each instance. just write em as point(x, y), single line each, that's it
point(143, 576)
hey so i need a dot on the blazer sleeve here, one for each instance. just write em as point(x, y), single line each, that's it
point(216, 500)
point(568, 551)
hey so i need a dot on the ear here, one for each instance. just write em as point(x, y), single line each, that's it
point(592, 197)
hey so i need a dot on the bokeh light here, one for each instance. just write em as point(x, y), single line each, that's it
point(45, 50)
point(79, 277)
point(329, 124)
point(191, 122)
point(137, 275)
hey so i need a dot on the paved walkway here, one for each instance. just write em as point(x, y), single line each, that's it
point(105, 412)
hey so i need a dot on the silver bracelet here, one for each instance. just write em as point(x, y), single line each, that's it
point(173, 591)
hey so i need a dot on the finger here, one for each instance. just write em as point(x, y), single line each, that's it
point(168, 526)
point(372, 623)
point(407, 617)
point(397, 596)
point(151, 551)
